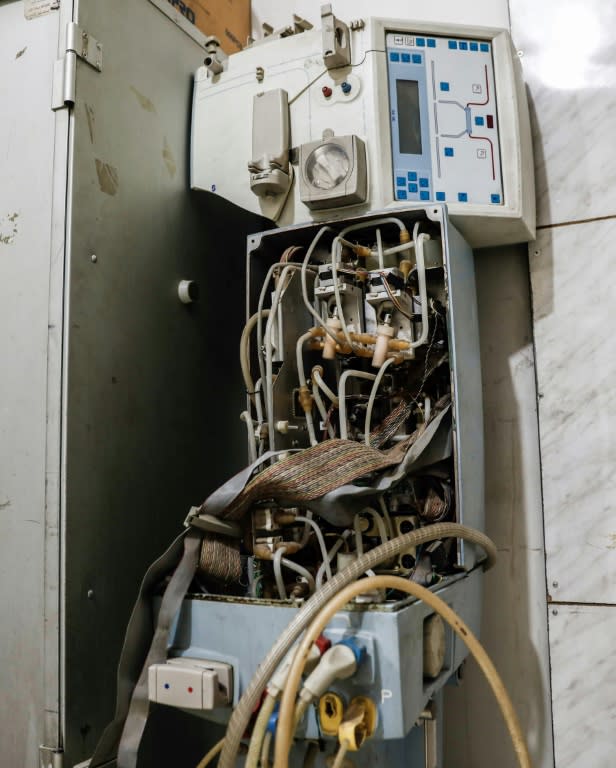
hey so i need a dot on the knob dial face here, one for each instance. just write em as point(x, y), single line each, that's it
point(327, 166)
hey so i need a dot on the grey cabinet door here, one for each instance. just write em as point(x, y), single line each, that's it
point(153, 390)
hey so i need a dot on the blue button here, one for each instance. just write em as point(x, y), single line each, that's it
point(479, 120)
point(401, 194)
point(431, 42)
point(424, 195)
point(420, 42)
point(424, 183)
point(412, 175)
point(400, 181)
point(417, 58)
point(406, 57)
point(166, 686)
point(484, 47)
point(394, 57)
point(413, 188)
point(463, 46)
point(440, 196)
point(346, 87)
point(453, 44)
point(462, 197)
point(474, 46)
point(495, 199)
point(444, 86)
point(448, 151)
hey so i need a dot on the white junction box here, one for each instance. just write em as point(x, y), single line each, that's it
point(438, 111)
point(191, 683)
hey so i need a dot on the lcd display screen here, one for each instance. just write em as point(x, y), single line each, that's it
point(409, 122)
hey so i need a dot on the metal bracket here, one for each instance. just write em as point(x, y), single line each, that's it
point(336, 39)
point(79, 45)
point(84, 46)
point(50, 757)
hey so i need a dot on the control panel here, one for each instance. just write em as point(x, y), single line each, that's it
point(444, 128)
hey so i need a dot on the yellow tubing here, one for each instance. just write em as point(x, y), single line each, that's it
point(259, 730)
point(211, 754)
point(284, 731)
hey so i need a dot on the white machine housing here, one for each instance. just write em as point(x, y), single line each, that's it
point(361, 102)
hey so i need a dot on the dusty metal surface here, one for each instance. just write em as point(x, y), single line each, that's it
point(30, 336)
point(144, 388)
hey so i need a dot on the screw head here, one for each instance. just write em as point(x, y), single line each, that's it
point(555, 584)
point(93, 258)
point(90, 594)
point(555, 611)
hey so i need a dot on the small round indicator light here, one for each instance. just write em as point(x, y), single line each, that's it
point(167, 686)
point(327, 91)
point(190, 690)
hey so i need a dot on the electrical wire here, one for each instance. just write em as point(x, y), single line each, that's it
point(286, 724)
point(242, 713)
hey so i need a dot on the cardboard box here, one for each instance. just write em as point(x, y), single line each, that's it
point(228, 20)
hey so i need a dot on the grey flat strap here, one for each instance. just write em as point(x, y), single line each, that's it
point(145, 645)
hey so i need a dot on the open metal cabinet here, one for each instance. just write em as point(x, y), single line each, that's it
point(109, 380)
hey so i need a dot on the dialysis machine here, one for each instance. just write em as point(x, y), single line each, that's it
point(382, 151)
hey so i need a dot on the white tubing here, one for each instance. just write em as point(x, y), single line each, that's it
point(379, 249)
point(386, 516)
point(345, 330)
point(322, 410)
point(423, 293)
point(379, 522)
point(299, 354)
point(244, 358)
point(301, 374)
point(277, 559)
point(330, 556)
point(320, 539)
point(299, 569)
point(359, 542)
point(323, 386)
point(304, 267)
point(342, 397)
point(269, 384)
point(373, 393)
point(373, 223)
point(250, 429)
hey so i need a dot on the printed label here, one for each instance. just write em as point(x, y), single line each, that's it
point(35, 8)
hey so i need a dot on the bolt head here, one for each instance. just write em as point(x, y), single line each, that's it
point(93, 258)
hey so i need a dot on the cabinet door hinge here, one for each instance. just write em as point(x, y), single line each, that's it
point(51, 757)
point(79, 45)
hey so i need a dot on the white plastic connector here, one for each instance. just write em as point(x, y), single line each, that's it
point(279, 678)
point(338, 663)
point(191, 683)
point(329, 349)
